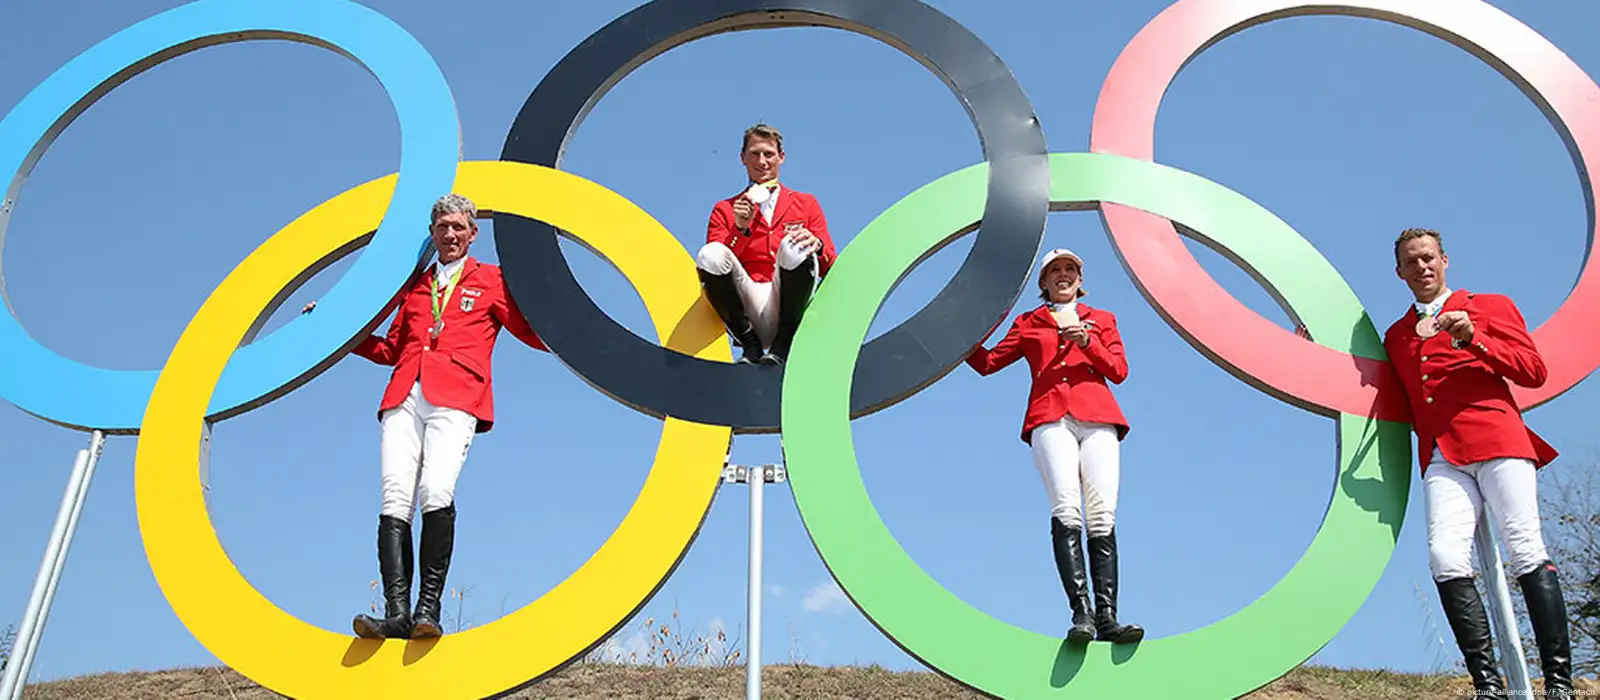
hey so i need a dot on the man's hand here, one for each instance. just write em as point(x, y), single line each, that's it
point(803, 240)
point(743, 212)
point(1300, 330)
point(1458, 325)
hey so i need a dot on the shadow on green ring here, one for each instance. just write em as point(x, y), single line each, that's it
point(1225, 659)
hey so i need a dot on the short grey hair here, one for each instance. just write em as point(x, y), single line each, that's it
point(454, 204)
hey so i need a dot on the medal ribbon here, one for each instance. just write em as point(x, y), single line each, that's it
point(439, 302)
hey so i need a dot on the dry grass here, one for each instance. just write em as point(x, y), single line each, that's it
point(669, 661)
point(623, 682)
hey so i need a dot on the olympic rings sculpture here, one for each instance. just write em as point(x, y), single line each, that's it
point(813, 398)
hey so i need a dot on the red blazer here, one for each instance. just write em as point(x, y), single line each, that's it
point(758, 251)
point(1460, 400)
point(455, 370)
point(1067, 379)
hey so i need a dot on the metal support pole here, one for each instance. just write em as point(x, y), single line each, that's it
point(55, 558)
point(1501, 613)
point(205, 463)
point(757, 477)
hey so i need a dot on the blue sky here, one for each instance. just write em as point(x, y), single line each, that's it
point(1348, 129)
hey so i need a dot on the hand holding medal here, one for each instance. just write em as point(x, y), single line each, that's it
point(1073, 328)
point(744, 206)
point(1458, 325)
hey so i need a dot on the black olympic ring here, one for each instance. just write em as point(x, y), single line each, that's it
point(901, 362)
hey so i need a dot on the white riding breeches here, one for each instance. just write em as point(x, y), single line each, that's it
point(1080, 462)
point(1455, 503)
point(760, 298)
point(423, 448)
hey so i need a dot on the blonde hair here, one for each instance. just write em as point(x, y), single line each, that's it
point(1414, 233)
point(765, 132)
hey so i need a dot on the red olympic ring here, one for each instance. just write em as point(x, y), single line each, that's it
point(1270, 357)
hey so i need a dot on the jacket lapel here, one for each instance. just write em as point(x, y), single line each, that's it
point(785, 200)
point(1410, 322)
point(467, 268)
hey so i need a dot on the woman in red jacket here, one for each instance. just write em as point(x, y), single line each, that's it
point(1075, 429)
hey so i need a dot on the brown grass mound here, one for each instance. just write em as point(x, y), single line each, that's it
point(617, 682)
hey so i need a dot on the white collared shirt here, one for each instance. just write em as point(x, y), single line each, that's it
point(771, 204)
point(1432, 308)
point(1070, 306)
point(446, 270)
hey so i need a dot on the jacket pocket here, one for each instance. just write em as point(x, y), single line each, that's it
point(470, 365)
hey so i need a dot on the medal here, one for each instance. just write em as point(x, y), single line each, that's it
point(438, 327)
point(1427, 327)
point(761, 192)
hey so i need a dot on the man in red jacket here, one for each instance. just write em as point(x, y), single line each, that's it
point(439, 396)
point(1455, 351)
point(766, 249)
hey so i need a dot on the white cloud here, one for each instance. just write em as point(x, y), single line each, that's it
point(825, 598)
point(777, 591)
point(632, 649)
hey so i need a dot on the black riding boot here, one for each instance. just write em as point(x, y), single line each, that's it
point(794, 293)
point(438, 541)
point(394, 566)
point(1541, 591)
point(725, 299)
point(1463, 608)
point(1069, 563)
point(1103, 569)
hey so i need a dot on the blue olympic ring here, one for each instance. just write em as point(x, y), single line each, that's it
point(55, 388)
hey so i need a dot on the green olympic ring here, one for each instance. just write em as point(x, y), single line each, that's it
point(1227, 658)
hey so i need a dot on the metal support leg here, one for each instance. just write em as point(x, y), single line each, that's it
point(55, 558)
point(205, 463)
point(1501, 614)
point(757, 477)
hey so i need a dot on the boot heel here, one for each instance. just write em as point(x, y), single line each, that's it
point(1080, 634)
point(426, 629)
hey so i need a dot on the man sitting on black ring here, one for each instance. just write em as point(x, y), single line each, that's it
point(766, 249)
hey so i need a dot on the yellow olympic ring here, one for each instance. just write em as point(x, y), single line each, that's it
point(247, 632)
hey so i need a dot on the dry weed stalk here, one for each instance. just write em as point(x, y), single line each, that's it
point(668, 644)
